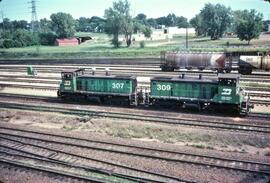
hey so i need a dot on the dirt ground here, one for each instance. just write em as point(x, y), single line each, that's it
point(200, 138)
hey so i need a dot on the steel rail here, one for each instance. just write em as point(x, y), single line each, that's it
point(60, 151)
point(26, 154)
point(217, 164)
point(128, 116)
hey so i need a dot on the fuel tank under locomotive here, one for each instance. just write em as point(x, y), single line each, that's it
point(177, 60)
point(249, 63)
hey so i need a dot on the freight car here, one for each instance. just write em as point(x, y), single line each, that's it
point(190, 60)
point(248, 63)
point(223, 91)
point(221, 62)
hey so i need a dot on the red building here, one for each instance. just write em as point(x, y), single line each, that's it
point(67, 42)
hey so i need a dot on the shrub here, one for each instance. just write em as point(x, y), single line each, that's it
point(17, 44)
point(142, 44)
point(47, 38)
point(1, 43)
point(18, 38)
point(116, 42)
point(8, 43)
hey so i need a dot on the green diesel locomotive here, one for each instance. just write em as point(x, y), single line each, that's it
point(223, 91)
point(102, 88)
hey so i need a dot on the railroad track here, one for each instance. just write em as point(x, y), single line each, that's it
point(4, 160)
point(113, 61)
point(248, 128)
point(55, 80)
point(33, 98)
point(21, 138)
point(53, 86)
point(59, 156)
point(146, 72)
point(155, 69)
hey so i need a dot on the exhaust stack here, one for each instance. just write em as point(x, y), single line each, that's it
point(93, 71)
point(107, 70)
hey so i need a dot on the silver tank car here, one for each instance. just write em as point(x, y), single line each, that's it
point(249, 63)
point(192, 60)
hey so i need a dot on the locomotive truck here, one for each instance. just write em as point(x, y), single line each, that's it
point(218, 61)
point(223, 91)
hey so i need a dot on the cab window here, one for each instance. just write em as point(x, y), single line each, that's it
point(227, 82)
point(66, 75)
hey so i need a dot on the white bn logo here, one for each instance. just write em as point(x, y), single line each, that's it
point(226, 91)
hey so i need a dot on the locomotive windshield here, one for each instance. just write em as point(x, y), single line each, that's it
point(66, 75)
point(227, 82)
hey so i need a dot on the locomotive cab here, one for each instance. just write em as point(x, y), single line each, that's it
point(67, 83)
point(228, 88)
point(230, 93)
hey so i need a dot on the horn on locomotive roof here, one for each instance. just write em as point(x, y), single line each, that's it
point(107, 70)
point(93, 70)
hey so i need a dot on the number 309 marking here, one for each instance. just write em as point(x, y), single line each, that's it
point(163, 87)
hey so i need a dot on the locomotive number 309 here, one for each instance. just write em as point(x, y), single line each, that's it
point(163, 87)
point(117, 85)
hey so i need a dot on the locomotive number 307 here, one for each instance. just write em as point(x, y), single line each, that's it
point(163, 87)
point(117, 85)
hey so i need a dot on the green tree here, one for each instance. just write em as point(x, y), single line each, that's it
point(152, 22)
point(266, 23)
point(83, 24)
point(181, 22)
point(249, 25)
point(97, 24)
point(63, 24)
point(197, 23)
point(45, 25)
point(147, 32)
point(119, 21)
point(215, 19)
point(141, 18)
point(18, 38)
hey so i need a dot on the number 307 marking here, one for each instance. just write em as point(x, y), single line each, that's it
point(226, 91)
point(117, 85)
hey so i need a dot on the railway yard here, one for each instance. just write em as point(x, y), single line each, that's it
point(44, 138)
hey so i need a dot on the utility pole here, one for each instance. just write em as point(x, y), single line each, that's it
point(34, 20)
point(187, 37)
point(2, 16)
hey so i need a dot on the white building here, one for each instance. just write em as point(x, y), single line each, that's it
point(176, 30)
point(161, 34)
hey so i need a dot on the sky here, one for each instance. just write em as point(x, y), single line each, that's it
point(20, 9)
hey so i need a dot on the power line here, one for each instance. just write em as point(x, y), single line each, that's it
point(34, 20)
